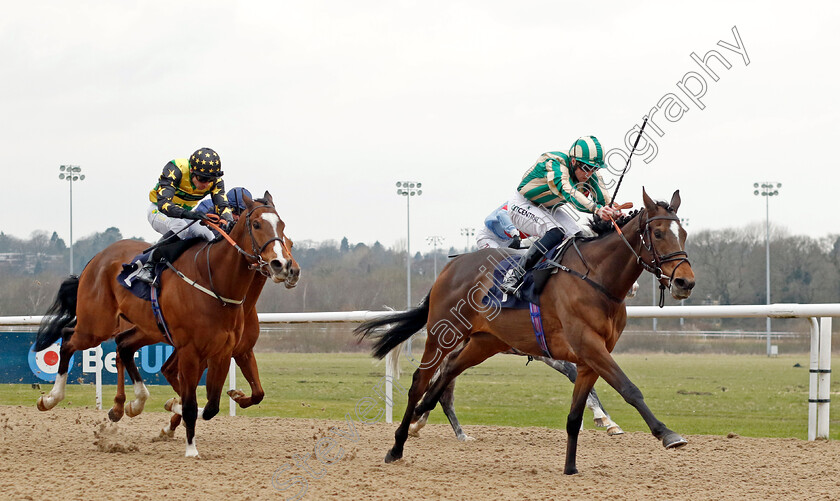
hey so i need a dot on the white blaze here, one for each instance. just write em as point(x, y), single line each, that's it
point(273, 220)
point(675, 229)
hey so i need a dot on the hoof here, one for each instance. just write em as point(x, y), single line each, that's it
point(166, 432)
point(391, 457)
point(465, 438)
point(41, 406)
point(570, 470)
point(114, 416)
point(615, 430)
point(236, 394)
point(169, 403)
point(415, 433)
point(131, 412)
point(673, 440)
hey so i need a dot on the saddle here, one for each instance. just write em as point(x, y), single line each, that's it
point(533, 282)
point(166, 250)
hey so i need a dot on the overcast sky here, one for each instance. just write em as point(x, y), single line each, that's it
point(327, 104)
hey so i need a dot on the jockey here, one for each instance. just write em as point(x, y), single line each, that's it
point(183, 183)
point(557, 179)
point(498, 230)
point(235, 201)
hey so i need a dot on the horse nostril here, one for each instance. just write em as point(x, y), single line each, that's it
point(684, 284)
point(278, 266)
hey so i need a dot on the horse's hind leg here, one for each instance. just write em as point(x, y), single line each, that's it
point(481, 347)
point(170, 372)
point(116, 412)
point(56, 394)
point(447, 403)
point(432, 357)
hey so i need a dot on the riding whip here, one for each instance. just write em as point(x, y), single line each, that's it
point(627, 165)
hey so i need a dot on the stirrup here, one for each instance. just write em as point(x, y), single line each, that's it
point(512, 282)
point(146, 274)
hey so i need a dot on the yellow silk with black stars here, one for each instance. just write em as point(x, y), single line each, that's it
point(175, 192)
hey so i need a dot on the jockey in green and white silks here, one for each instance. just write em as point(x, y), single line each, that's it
point(557, 179)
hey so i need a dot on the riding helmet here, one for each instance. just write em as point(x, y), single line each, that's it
point(206, 162)
point(587, 149)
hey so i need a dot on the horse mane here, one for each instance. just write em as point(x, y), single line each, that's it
point(602, 228)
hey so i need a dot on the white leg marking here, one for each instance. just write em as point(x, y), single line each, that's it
point(192, 451)
point(56, 394)
point(136, 406)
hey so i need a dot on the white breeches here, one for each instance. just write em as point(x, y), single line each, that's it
point(163, 223)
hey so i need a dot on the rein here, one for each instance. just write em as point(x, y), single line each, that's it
point(585, 277)
point(256, 262)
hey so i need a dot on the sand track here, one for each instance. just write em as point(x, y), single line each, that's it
point(78, 454)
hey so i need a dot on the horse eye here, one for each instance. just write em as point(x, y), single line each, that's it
point(657, 234)
point(256, 225)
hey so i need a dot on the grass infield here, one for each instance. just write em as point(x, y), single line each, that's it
point(749, 395)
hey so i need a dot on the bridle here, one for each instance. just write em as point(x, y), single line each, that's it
point(656, 260)
point(256, 262)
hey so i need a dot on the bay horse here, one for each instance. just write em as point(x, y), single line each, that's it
point(205, 326)
point(447, 398)
point(583, 315)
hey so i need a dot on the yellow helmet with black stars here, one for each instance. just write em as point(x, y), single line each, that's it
point(206, 163)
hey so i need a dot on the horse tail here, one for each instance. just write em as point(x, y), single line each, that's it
point(405, 325)
point(59, 315)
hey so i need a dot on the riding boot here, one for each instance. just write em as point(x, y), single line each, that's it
point(147, 272)
point(166, 252)
point(513, 278)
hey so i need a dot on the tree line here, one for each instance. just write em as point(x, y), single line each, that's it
point(341, 276)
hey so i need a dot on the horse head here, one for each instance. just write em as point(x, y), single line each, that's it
point(272, 249)
point(663, 245)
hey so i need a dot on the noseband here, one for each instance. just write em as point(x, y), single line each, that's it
point(655, 266)
point(656, 261)
point(259, 263)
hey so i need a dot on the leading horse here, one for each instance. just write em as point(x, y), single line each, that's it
point(583, 315)
point(204, 327)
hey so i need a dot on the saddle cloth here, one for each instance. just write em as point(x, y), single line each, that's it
point(532, 284)
point(127, 276)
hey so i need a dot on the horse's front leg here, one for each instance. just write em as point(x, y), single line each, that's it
point(602, 419)
point(217, 371)
point(583, 384)
point(248, 365)
point(189, 374)
point(602, 362)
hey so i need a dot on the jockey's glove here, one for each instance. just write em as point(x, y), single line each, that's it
point(191, 214)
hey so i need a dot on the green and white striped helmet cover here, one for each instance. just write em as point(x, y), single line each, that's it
point(587, 149)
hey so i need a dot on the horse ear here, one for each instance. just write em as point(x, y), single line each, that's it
point(270, 200)
point(248, 202)
point(650, 205)
point(675, 201)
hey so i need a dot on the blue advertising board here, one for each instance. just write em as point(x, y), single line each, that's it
point(21, 365)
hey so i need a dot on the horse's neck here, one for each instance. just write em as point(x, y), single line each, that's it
point(612, 262)
point(229, 270)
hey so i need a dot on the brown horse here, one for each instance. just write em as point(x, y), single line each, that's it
point(243, 354)
point(583, 315)
point(205, 326)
